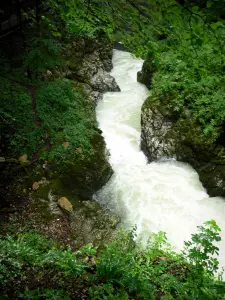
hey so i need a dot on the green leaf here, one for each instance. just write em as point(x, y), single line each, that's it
point(187, 35)
point(195, 9)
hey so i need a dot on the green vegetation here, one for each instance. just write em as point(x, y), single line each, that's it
point(62, 115)
point(185, 79)
point(138, 23)
point(42, 54)
point(120, 270)
point(184, 43)
point(53, 120)
point(66, 117)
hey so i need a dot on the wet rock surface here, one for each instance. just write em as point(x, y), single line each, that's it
point(164, 136)
point(90, 65)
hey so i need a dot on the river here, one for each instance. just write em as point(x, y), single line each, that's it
point(160, 196)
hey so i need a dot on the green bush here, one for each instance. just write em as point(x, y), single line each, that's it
point(42, 54)
point(26, 249)
point(44, 294)
point(21, 132)
point(124, 271)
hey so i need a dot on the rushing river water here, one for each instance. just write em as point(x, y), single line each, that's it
point(160, 196)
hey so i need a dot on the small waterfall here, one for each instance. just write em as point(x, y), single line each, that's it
point(160, 196)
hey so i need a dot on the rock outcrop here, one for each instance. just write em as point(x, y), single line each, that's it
point(168, 135)
point(89, 62)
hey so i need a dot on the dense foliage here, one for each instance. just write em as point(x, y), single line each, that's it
point(183, 40)
point(184, 43)
point(193, 80)
point(57, 126)
point(51, 119)
point(137, 23)
point(120, 270)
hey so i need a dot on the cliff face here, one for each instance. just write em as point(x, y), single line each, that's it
point(166, 134)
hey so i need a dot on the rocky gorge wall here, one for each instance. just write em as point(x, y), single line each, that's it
point(166, 134)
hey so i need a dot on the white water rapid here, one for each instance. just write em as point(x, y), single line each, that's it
point(160, 196)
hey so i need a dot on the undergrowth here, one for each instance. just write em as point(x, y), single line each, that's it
point(47, 120)
point(119, 270)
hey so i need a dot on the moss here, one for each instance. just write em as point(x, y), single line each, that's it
point(56, 186)
point(40, 208)
point(42, 192)
point(148, 69)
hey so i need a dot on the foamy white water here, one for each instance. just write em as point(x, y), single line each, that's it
point(160, 196)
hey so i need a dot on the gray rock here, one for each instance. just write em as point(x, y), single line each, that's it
point(90, 65)
point(104, 82)
point(163, 136)
point(155, 141)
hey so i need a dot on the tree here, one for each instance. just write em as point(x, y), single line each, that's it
point(139, 23)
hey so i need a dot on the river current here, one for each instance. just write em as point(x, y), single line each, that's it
point(160, 196)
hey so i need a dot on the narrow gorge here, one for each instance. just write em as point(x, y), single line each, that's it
point(112, 150)
point(165, 195)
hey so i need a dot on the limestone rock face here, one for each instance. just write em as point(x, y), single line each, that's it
point(145, 75)
point(91, 224)
point(83, 178)
point(104, 82)
point(154, 136)
point(64, 203)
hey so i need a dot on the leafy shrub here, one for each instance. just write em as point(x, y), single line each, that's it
point(69, 262)
point(28, 248)
point(201, 250)
point(65, 116)
point(22, 133)
point(126, 272)
point(42, 54)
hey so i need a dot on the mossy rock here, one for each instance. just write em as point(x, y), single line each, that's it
point(83, 177)
point(148, 69)
point(180, 136)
